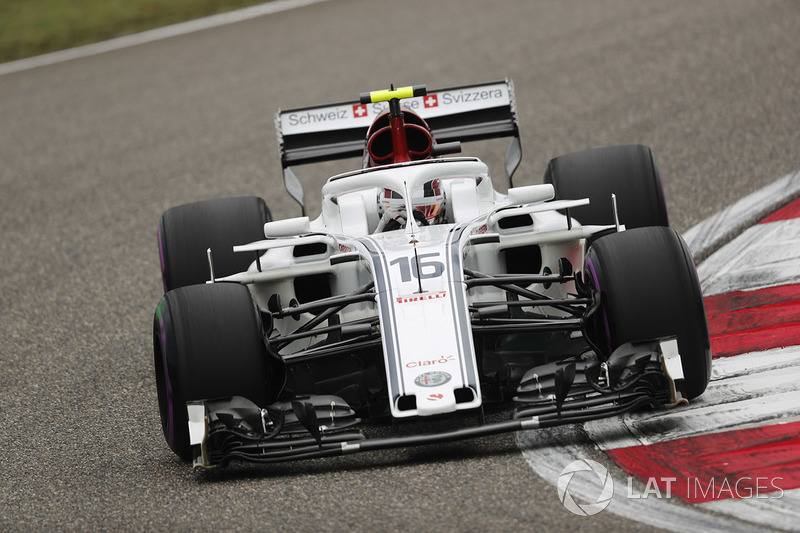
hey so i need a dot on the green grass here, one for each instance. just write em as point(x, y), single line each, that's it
point(33, 27)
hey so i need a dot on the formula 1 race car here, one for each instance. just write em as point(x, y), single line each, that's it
point(422, 296)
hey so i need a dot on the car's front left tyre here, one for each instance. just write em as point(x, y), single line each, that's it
point(649, 289)
point(630, 172)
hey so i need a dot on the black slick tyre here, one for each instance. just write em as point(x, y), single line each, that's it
point(649, 289)
point(185, 233)
point(208, 343)
point(630, 172)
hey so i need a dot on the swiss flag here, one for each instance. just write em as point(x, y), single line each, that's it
point(431, 100)
point(360, 110)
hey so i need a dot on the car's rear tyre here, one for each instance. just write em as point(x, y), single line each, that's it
point(630, 172)
point(649, 289)
point(208, 343)
point(185, 233)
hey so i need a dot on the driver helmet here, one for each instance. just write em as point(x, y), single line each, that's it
point(378, 149)
point(427, 203)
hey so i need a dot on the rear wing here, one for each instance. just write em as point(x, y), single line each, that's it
point(337, 131)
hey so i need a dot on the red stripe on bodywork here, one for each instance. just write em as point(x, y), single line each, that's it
point(750, 321)
point(759, 462)
point(789, 212)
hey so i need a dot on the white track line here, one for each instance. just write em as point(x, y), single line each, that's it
point(783, 513)
point(157, 34)
point(745, 390)
point(707, 236)
point(772, 258)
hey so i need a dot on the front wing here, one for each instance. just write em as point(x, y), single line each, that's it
point(636, 375)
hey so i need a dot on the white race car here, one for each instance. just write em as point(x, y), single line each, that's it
point(421, 293)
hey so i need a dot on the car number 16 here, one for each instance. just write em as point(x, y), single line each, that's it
point(421, 268)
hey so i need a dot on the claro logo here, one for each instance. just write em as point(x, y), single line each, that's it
point(441, 361)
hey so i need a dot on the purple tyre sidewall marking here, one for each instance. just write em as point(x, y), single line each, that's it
point(167, 381)
point(602, 307)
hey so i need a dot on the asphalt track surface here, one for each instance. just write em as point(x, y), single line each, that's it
point(93, 150)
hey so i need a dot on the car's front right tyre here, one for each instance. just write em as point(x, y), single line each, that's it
point(207, 343)
point(185, 233)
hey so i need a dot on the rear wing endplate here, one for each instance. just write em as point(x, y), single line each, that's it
point(337, 131)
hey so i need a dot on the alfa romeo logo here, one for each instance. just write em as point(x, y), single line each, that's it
point(432, 379)
point(605, 480)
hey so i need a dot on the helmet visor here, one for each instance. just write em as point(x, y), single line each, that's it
point(430, 211)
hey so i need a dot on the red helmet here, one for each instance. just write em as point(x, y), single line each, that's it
point(379, 149)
